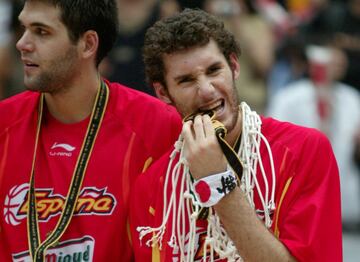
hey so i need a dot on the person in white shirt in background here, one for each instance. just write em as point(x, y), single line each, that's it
point(322, 102)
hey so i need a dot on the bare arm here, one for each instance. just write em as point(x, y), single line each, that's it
point(252, 239)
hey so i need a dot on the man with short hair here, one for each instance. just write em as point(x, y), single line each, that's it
point(72, 145)
point(254, 188)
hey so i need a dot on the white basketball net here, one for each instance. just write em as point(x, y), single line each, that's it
point(188, 207)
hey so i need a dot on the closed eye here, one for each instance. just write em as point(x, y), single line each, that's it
point(185, 79)
point(213, 70)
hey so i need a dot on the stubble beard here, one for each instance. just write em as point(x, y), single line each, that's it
point(234, 109)
point(56, 76)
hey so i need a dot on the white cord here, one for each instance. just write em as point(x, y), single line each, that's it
point(186, 211)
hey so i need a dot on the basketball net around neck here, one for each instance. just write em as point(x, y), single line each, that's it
point(184, 208)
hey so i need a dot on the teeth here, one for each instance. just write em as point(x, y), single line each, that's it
point(212, 107)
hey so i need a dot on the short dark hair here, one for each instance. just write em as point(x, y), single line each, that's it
point(80, 16)
point(190, 28)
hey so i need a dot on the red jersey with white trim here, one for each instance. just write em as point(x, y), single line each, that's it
point(136, 130)
point(307, 218)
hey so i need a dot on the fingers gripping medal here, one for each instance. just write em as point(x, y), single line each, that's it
point(220, 131)
point(219, 127)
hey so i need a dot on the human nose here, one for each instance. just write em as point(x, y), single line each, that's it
point(25, 43)
point(205, 87)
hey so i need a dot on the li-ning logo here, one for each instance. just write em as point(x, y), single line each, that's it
point(91, 201)
point(66, 149)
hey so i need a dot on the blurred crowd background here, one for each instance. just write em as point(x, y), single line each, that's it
point(300, 62)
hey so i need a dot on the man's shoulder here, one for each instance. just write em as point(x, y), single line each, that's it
point(124, 98)
point(16, 107)
point(289, 134)
point(295, 148)
point(151, 119)
point(22, 97)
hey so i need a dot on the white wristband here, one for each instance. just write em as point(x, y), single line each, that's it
point(210, 190)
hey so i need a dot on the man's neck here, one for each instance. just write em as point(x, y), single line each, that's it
point(75, 103)
point(233, 136)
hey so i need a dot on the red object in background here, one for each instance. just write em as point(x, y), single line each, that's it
point(319, 59)
point(323, 108)
point(318, 73)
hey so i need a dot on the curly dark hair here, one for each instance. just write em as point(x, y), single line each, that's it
point(190, 28)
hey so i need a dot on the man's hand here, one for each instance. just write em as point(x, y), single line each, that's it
point(202, 149)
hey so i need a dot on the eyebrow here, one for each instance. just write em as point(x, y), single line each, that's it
point(38, 24)
point(33, 24)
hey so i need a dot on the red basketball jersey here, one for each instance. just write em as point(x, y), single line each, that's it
point(307, 217)
point(136, 130)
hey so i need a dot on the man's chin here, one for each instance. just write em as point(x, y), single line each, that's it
point(35, 86)
point(31, 88)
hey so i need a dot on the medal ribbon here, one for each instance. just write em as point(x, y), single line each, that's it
point(38, 249)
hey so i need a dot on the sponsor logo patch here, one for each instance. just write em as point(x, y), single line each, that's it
point(61, 149)
point(81, 249)
point(91, 201)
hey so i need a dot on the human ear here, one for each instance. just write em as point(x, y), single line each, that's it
point(234, 65)
point(89, 44)
point(162, 93)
